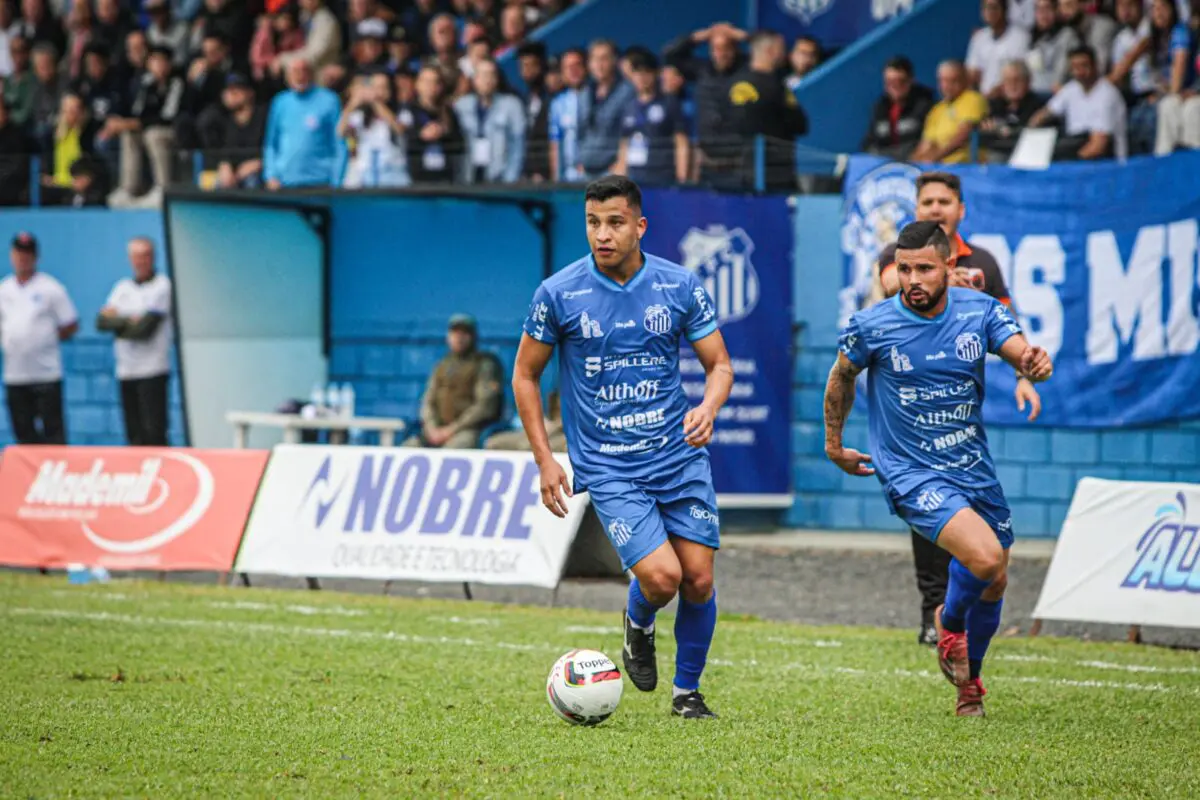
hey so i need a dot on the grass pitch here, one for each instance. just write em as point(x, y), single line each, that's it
point(150, 690)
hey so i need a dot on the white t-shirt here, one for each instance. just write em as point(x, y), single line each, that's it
point(1020, 12)
point(1102, 110)
point(149, 357)
point(1141, 74)
point(988, 54)
point(30, 318)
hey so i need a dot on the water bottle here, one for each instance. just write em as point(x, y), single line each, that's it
point(316, 398)
point(78, 574)
point(333, 400)
point(347, 400)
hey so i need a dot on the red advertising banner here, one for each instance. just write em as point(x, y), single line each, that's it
point(124, 508)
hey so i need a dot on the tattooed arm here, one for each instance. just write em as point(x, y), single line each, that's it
point(839, 399)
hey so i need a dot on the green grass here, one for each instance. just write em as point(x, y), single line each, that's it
point(151, 690)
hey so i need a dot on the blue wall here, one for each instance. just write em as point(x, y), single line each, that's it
point(838, 95)
point(85, 250)
point(1038, 466)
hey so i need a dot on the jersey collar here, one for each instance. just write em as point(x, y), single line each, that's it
point(961, 249)
point(908, 312)
point(610, 283)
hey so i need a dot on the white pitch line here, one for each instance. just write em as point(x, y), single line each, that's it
point(308, 611)
point(1112, 665)
point(599, 630)
point(392, 636)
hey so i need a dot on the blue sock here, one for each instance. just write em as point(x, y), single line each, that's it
point(694, 626)
point(962, 592)
point(983, 620)
point(639, 609)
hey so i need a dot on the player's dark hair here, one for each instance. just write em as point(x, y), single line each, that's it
point(901, 64)
point(947, 179)
point(1083, 50)
point(926, 233)
point(610, 186)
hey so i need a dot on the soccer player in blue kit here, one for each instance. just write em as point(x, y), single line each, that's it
point(924, 350)
point(618, 317)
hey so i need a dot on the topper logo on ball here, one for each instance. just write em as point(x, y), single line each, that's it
point(720, 258)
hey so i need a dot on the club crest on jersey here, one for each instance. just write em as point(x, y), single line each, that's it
point(590, 327)
point(619, 532)
point(968, 347)
point(658, 319)
point(806, 10)
point(720, 259)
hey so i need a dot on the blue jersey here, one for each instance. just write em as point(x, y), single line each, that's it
point(925, 387)
point(618, 352)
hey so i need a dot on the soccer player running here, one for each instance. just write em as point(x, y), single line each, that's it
point(924, 350)
point(940, 199)
point(636, 447)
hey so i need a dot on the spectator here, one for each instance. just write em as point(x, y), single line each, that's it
point(400, 56)
point(149, 127)
point(98, 85)
point(370, 119)
point(762, 106)
point(138, 313)
point(112, 24)
point(444, 54)
point(655, 150)
point(1049, 46)
point(463, 394)
point(951, 121)
point(38, 26)
point(1095, 30)
point(1132, 72)
point(566, 117)
point(718, 156)
point(435, 144)
point(1021, 13)
point(48, 89)
point(89, 186)
point(1170, 48)
point(518, 440)
point(369, 50)
point(69, 140)
point(79, 35)
point(601, 111)
point(276, 34)
point(19, 85)
point(15, 151)
point(131, 66)
point(485, 14)
point(418, 18)
point(493, 126)
point(1179, 121)
point(6, 39)
point(227, 19)
point(322, 39)
point(898, 117)
point(240, 143)
point(1008, 114)
point(36, 314)
point(479, 47)
point(531, 58)
point(674, 85)
point(201, 113)
point(165, 31)
point(804, 58)
point(994, 46)
point(1092, 111)
point(512, 29)
point(301, 146)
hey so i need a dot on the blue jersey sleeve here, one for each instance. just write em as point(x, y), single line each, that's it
point(1000, 325)
point(852, 344)
point(700, 319)
point(542, 322)
point(1181, 39)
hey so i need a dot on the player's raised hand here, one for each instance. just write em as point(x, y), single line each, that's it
point(1036, 364)
point(698, 426)
point(851, 461)
point(554, 484)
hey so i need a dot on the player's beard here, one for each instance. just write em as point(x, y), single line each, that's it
point(931, 299)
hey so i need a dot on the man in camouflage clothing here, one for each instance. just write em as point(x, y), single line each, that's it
point(463, 394)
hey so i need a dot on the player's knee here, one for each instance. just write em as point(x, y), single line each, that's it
point(995, 589)
point(988, 564)
point(661, 584)
point(697, 588)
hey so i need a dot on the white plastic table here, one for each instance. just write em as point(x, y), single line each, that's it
point(292, 424)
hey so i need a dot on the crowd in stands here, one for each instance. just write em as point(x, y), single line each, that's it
point(118, 98)
point(1113, 78)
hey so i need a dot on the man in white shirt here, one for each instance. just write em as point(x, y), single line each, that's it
point(138, 312)
point(994, 46)
point(1092, 110)
point(35, 316)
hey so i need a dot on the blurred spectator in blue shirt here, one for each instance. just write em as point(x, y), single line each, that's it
point(654, 148)
point(565, 117)
point(493, 126)
point(302, 147)
point(602, 110)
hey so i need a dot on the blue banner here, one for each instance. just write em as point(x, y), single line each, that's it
point(1100, 260)
point(740, 248)
point(833, 23)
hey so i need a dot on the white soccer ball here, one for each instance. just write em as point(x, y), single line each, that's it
point(584, 687)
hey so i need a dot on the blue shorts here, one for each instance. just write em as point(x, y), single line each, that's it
point(930, 506)
point(639, 515)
